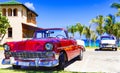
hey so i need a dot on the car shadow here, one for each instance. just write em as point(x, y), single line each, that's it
point(70, 62)
point(34, 69)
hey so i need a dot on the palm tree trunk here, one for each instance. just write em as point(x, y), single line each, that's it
point(94, 43)
point(80, 36)
point(117, 38)
point(89, 43)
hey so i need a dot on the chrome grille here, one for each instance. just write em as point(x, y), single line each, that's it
point(31, 54)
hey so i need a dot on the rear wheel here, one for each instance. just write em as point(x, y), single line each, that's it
point(114, 49)
point(16, 66)
point(62, 60)
point(80, 57)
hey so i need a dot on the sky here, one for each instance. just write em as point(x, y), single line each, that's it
point(63, 13)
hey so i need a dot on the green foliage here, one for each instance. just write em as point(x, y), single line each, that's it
point(118, 13)
point(76, 28)
point(4, 24)
point(79, 28)
point(116, 27)
point(109, 24)
point(72, 29)
point(94, 37)
point(117, 6)
point(87, 32)
point(99, 21)
point(116, 30)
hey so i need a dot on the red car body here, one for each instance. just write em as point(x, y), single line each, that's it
point(48, 48)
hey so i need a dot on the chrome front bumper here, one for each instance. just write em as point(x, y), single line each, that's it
point(45, 62)
point(108, 46)
point(36, 62)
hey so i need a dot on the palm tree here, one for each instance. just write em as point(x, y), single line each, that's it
point(4, 24)
point(87, 32)
point(99, 20)
point(116, 31)
point(94, 38)
point(117, 6)
point(71, 29)
point(79, 28)
point(109, 23)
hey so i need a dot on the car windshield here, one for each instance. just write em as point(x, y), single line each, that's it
point(50, 34)
point(107, 38)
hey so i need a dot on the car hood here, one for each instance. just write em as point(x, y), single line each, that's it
point(108, 42)
point(37, 44)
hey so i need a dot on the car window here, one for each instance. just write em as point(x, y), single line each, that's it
point(107, 38)
point(39, 35)
point(51, 34)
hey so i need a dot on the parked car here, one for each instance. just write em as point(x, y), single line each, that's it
point(108, 42)
point(48, 48)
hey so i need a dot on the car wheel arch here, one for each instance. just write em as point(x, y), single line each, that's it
point(63, 51)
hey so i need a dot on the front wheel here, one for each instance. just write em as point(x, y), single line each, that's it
point(62, 61)
point(100, 48)
point(16, 67)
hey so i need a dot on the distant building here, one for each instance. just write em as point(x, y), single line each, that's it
point(22, 21)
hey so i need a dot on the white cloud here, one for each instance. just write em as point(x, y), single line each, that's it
point(30, 5)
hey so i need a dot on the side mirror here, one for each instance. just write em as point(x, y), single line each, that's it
point(71, 37)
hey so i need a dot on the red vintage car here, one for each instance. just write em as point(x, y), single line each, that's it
point(48, 48)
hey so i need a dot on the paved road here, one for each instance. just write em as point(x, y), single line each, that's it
point(97, 61)
point(94, 61)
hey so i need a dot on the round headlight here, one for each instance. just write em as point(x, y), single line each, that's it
point(49, 46)
point(6, 47)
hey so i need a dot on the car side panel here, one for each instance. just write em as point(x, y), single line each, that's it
point(71, 48)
